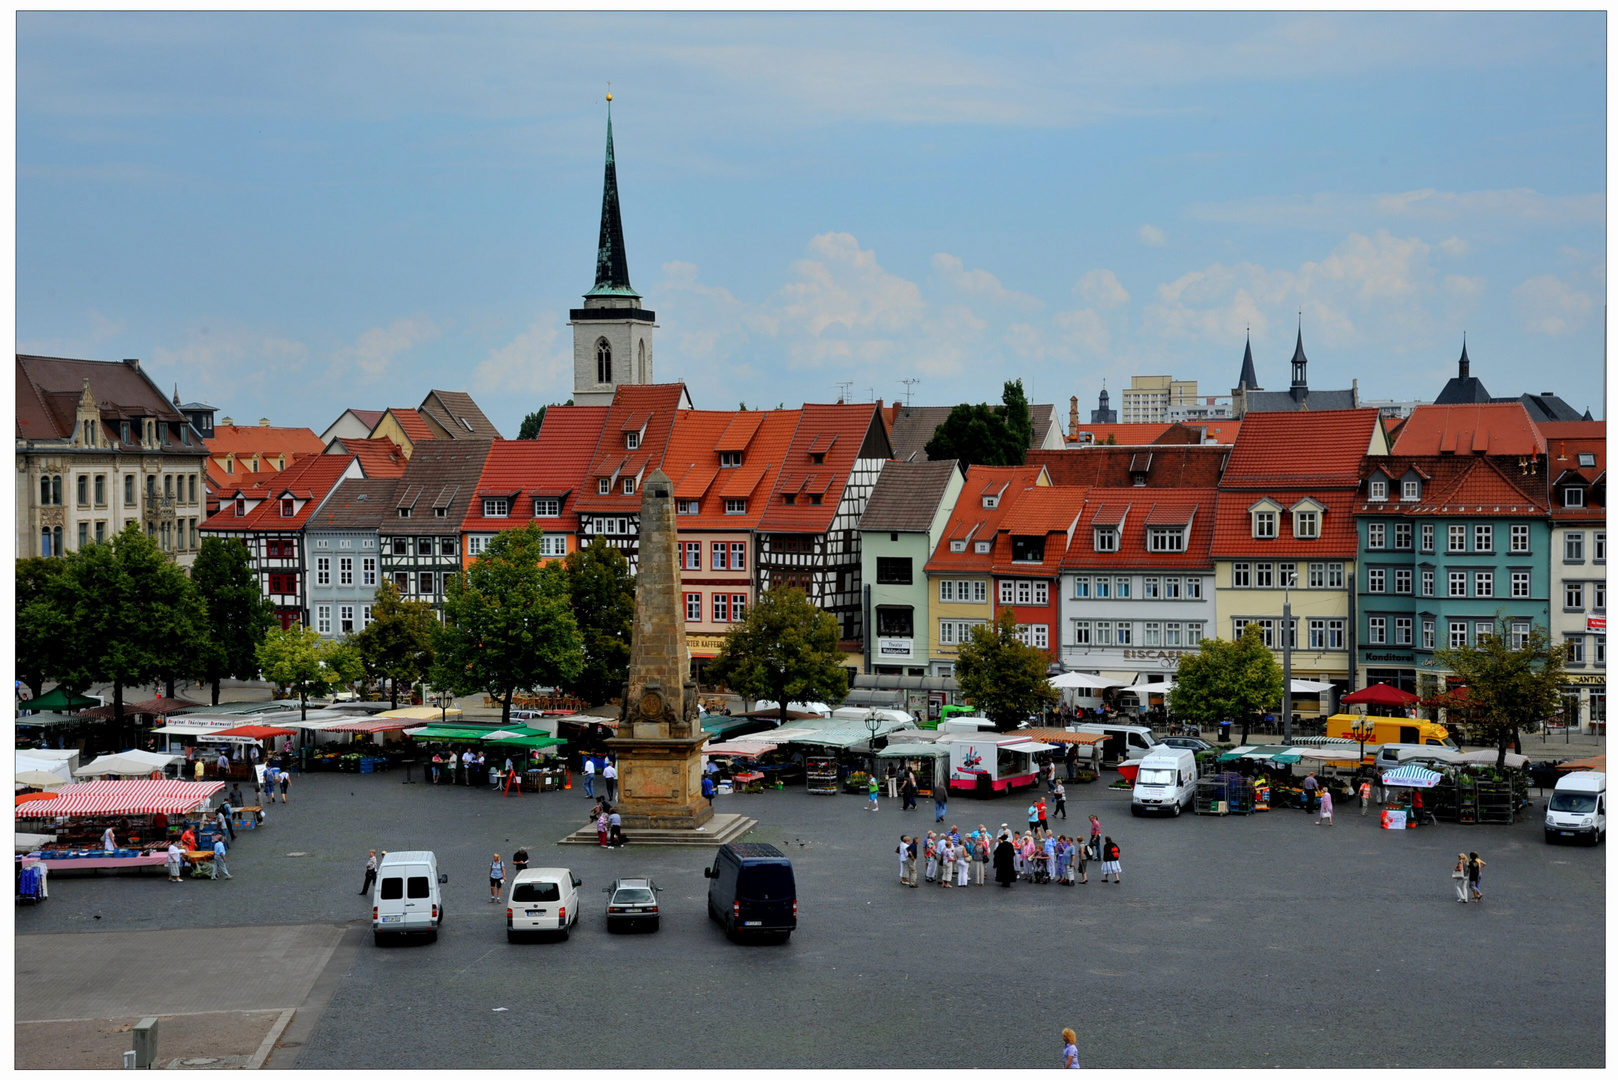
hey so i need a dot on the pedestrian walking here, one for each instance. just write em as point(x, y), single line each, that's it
point(891, 781)
point(599, 815)
point(1049, 769)
point(1005, 862)
point(519, 860)
point(911, 785)
point(370, 872)
point(109, 842)
point(708, 790)
point(200, 772)
point(219, 864)
point(589, 777)
point(904, 858)
point(223, 818)
point(1310, 786)
point(615, 828)
point(175, 858)
point(224, 765)
point(1460, 877)
point(870, 787)
point(1095, 838)
point(1474, 875)
point(1365, 796)
point(1044, 825)
point(1109, 862)
point(1061, 801)
point(1070, 1049)
point(285, 779)
point(940, 798)
point(609, 773)
point(1325, 817)
point(497, 878)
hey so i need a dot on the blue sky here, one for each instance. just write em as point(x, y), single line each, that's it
point(290, 214)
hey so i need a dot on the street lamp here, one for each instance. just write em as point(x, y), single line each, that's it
point(872, 723)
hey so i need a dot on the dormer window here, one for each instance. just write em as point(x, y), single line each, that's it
point(1411, 492)
point(404, 511)
point(496, 508)
point(980, 547)
point(1264, 525)
point(815, 500)
point(288, 508)
point(632, 441)
point(1107, 539)
point(730, 459)
point(790, 498)
point(230, 465)
point(735, 506)
point(1306, 524)
point(1573, 496)
point(819, 458)
point(990, 502)
point(957, 546)
point(1379, 490)
point(241, 507)
point(1165, 539)
point(123, 430)
point(1587, 461)
point(547, 507)
point(629, 485)
point(1029, 549)
point(441, 511)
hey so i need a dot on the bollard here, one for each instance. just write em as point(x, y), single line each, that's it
point(145, 1043)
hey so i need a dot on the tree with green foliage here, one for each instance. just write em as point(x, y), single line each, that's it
point(126, 615)
point(1235, 679)
point(508, 624)
point(398, 645)
point(785, 649)
point(39, 635)
point(1507, 688)
point(237, 612)
point(983, 434)
point(301, 661)
point(1001, 676)
point(602, 592)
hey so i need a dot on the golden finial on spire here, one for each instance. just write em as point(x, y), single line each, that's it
point(609, 91)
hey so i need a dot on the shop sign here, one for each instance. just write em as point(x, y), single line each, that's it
point(1171, 655)
point(1391, 658)
point(1596, 624)
point(899, 647)
point(1584, 680)
point(705, 644)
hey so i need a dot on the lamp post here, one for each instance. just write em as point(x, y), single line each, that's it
point(1286, 666)
point(872, 723)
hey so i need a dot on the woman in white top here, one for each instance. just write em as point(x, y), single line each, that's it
point(108, 841)
point(174, 858)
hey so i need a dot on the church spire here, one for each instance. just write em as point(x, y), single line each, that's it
point(1300, 365)
point(1249, 377)
point(612, 266)
point(1466, 361)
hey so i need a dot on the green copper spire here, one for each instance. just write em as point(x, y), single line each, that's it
point(612, 266)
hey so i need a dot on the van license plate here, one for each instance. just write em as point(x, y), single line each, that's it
point(759, 922)
point(1567, 834)
point(533, 914)
point(393, 918)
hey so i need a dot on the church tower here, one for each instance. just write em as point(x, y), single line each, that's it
point(612, 333)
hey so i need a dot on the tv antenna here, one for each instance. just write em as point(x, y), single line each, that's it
point(845, 390)
point(910, 385)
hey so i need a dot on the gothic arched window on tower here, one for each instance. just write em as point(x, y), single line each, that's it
point(642, 378)
point(603, 361)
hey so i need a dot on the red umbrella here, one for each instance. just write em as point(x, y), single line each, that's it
point(35, 796)
point(1380, 694)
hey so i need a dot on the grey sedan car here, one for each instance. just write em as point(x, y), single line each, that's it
point(632, 904)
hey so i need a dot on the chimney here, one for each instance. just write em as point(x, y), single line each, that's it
point(264, 421)
point(133, 361)
point(1073, 415)
point(227, 421)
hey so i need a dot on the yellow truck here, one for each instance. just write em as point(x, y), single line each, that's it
point(1380, 730)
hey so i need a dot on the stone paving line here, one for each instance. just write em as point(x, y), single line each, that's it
point(210, 1040)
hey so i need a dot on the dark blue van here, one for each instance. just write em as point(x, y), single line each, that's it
point(751, 891)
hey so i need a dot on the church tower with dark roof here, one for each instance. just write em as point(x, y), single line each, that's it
point(612, 333)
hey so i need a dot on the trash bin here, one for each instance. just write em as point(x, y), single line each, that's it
point(1224, 731)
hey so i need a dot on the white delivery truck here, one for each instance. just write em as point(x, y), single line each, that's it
point(1124, 741)
point(1166, 782)
point(988, 761)
point(1578, 808)
point(405, 898)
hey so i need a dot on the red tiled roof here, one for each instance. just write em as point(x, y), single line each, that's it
point(1138, 507)
point(1109, 466)
point(378, 457)
point(841, 433)
point(1050, 512)
point(1233, 529)
point(1503, 429)
point(552, 465)
point(411, 423)
point(1121, 434)
point(1291, 449)
point(654, 408)
point(1456, 485)
point(692, 462)
point(971, 521)
point(309, 480)
point(1565, 441)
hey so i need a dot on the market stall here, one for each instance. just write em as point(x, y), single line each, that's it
point(533, 753)
point(143, 815)
point(130, 763)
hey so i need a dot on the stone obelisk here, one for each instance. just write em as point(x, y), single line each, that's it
point(659, 742)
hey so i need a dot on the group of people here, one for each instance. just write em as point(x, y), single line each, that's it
point(1468, 877)
point(1037, 855)
point(609, 824)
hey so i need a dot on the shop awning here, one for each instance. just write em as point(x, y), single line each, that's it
point(1411, 776)
point(1380, 694)
point(128, 763)
point(370, 725)
point(1057, 735)
point(1514, 761)
point(746, 748)
point(1078, 680)
point(244, 733)
point(526, 742)
point(48, 720)
point(1277, 754)
point(1028, 746)
point(421, 713)
point(110, 798)
point(1594, 764)
point(904, 750)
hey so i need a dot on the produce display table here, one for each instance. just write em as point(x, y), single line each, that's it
point(750, 782)
point(105, 863)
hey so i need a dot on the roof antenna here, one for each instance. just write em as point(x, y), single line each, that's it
point(845, 390)
point(909, 386)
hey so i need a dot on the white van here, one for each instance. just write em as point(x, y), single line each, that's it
point(1392, 755)
point(1124, 741)
point(542, 898)
point(406, 898)
point(1166, 782)
point(1578, 808)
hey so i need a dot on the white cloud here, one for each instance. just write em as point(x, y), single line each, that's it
point(1338, 210)
point(232, 366)
point(1152, 236)
point(1547, 305)
point(980, 283)
point(375, 350)
point(537, 361)
point(1465, 288)
point(1102, 288)
point(1085, 329)
point(1455, 246)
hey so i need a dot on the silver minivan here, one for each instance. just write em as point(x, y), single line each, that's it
point(406, 897)
point(1578, 808)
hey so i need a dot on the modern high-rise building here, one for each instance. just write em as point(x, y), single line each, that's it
point(1149, 397)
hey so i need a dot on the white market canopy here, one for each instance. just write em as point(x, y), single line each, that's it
point(1078, 680)
point(739, 749)
point(128, 763)
point(1411, 776)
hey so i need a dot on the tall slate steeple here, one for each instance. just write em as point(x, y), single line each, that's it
point(1300, 368)
point(612, 265)
point(1249, 377)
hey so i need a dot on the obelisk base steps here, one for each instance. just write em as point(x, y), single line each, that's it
point(719, 829)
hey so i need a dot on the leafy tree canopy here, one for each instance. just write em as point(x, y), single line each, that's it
point(398, 645)
point(238, 614)
point(984, 435)
point(39, 635)
point(602, 593)
point(1508, 688)
point(535, 420)
point(786, 650)
point(1003, 677)
point(302, 661)
point(1223, 679)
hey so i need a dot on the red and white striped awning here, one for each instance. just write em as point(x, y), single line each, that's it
point(113, 797)
point(370, 725)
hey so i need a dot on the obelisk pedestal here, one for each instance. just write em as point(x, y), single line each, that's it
point(659, 741)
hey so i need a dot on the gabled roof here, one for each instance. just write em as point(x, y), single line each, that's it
point(442, 475)
point(907, 496)
point(553, 465)
point(843, 434)
point(1483, 485)
point(1547, 407)
point(309, 480)
point(1263, 401)
point(655, 407)
point(1049, 512)
point(692, 462)
point(378, 457)
point(972, 522)
point(1120, 434)
point(1233, 529)
point(456, 415)
point(271, 444)
point(49, 389)
point(411, 423)
point(1138, 508)
point(361, 503)
point(1109, 466)
point(1290, 449)
point(1502, 428)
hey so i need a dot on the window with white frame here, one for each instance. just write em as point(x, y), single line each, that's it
point(1106, 539)
point(1411, 491)
point(1483, 538)
point(1024, 593)
point(1334, 575)
point(1402, 582)
point(323, 618)
point(604, 486)
point(730, 459)
point(1599, 548)
point(547, 507)
point(475, 545)
point(1379, 490)
point(1573, 547)
point(981, 547)
point(553, 545)
point(1103, 633)
point(735, 506)
point(1457, 583)
point(1575, 648)
point(1264, 525)
point(1429, 634)
point(1376, 580)
point(629, 485)
point(963, 591)
point(1401, 536)
point(1317, 575)
point(1376, 536)
point(1521, 587)
point(1427, 586)
point(1403, 630)
point(1264, 575)
point(496, 508)
point(1600, 650)
point(1171, 588)
point(323, 570)
point(1306, 524)
point(1193, 633)
point(1572, 596)
point(345, 570)
point(1573, 496)
point(1519, 538)
point(1378, 629)
point(693, 607)
point(1598, 595)
point(345, 618)
point(1193, 588)
point(365, 616)
point(1483, 583)
point(1519, 634)
point(956, 631)
point(1287, 573)
point(1481, 630)
point(719, 553)
point(1150, 589)
point(1241, 575)
point(1457, 633)
point(721, 607)
point(1081, 588)
point(1103, 588)
point(1457, 538)
point(1427, 531)
point(685, 506)
point(1081, 633)
point(1120, 589)
point(957, 546)
point(1036, 634)
point(738, 556)
point(1124, 633)
point(1165, 539)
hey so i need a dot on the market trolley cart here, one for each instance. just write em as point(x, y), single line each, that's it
point(1224, 793)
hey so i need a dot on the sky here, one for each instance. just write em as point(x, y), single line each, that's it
point(289, 214)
